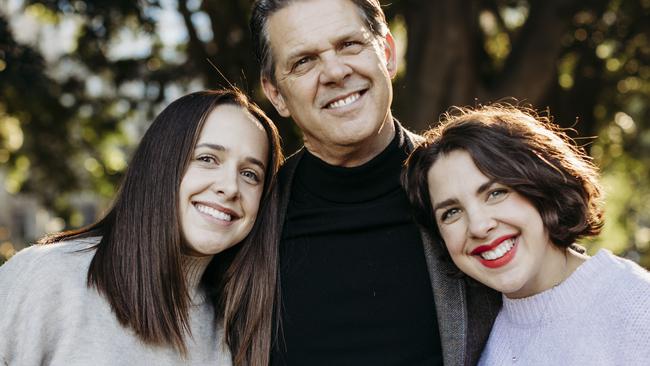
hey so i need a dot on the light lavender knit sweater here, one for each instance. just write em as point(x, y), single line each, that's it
point(48, 316)
point(600, 315)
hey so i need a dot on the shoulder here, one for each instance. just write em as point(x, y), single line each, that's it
point(37, 286)
point(407, 138)
point(415, 138)
point(629, 275)
point(290, 163)
point(619, 281)
point(625, 296)
point(71, 250)
point(287, 172)
point(42, 264)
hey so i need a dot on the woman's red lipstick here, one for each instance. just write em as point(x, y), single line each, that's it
point(501, 261)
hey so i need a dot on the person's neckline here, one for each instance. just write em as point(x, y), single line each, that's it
point(357, 154)
point(193, 269)
point(378, 176)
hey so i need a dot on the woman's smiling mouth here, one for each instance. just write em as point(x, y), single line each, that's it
point(222, 215)
point(499, 253)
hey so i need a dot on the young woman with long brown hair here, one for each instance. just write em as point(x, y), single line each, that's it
point(182, 268)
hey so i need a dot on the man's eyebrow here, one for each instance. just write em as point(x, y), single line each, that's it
point(299, 53)
point(350, 34)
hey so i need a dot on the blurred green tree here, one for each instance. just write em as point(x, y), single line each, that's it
point(71, 118)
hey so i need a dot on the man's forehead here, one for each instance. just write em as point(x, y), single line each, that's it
point(309, 22)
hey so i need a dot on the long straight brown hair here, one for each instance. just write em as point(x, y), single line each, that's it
point(137, 262)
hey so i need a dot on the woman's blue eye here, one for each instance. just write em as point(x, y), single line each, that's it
point(206, 159)
point(449, 214)
point(251, 175)
point(498, 192)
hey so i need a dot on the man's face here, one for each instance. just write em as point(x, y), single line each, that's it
point(333, 77)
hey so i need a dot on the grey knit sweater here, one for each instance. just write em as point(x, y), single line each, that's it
point(49, 316)
point(600, 315)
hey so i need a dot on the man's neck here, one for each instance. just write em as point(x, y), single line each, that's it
point(357, 154)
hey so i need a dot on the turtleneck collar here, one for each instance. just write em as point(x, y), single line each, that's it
point(193, 268)
point(376, 178)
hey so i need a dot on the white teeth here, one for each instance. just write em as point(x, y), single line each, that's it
point(499, 251)
point(343, 102)
point(214, 213)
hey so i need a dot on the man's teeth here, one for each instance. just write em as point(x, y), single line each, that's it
point(343, 102)
point(214, 213)
point(499, 251)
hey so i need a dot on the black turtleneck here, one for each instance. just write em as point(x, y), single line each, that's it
point(354, 281)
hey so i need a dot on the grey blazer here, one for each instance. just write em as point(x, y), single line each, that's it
point(465, 310)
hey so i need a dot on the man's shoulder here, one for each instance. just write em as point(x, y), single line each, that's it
point(408, 138)
point(414, 137)
point(289, 167)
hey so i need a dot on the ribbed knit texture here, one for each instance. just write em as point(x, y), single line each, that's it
point(49, 316)
point(600, 315)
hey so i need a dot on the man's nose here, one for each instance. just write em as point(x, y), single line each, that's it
point(334, 69)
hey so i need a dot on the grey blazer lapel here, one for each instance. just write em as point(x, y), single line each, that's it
point(449, 297)
point(285, 181)
point(448, 292)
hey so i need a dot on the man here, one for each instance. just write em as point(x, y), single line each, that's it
point(360, 283)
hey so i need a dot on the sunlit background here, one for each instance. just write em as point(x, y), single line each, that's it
point(80, 81)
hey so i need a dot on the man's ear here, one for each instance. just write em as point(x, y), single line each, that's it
point(273, 94)
point(391, 54)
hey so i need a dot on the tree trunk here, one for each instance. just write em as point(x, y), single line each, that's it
point(441, 60)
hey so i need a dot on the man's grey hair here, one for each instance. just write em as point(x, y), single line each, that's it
point(370, 11)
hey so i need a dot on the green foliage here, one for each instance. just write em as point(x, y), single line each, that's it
point(70, 118)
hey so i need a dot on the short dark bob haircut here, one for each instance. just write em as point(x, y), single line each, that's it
point(137, 264)
point(522, 150)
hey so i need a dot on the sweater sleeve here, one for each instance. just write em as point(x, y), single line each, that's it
point(30, 289)
point(633, 323)
point(15, 286)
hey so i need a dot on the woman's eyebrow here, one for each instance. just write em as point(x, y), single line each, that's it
point(212, 146)
point(445, 203)
point(485, 186)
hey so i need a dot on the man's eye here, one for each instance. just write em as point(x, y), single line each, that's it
point(351, 46)
point(303, 61)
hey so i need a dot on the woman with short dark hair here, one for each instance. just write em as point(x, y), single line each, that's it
point(182, 268)
point(508, 193)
